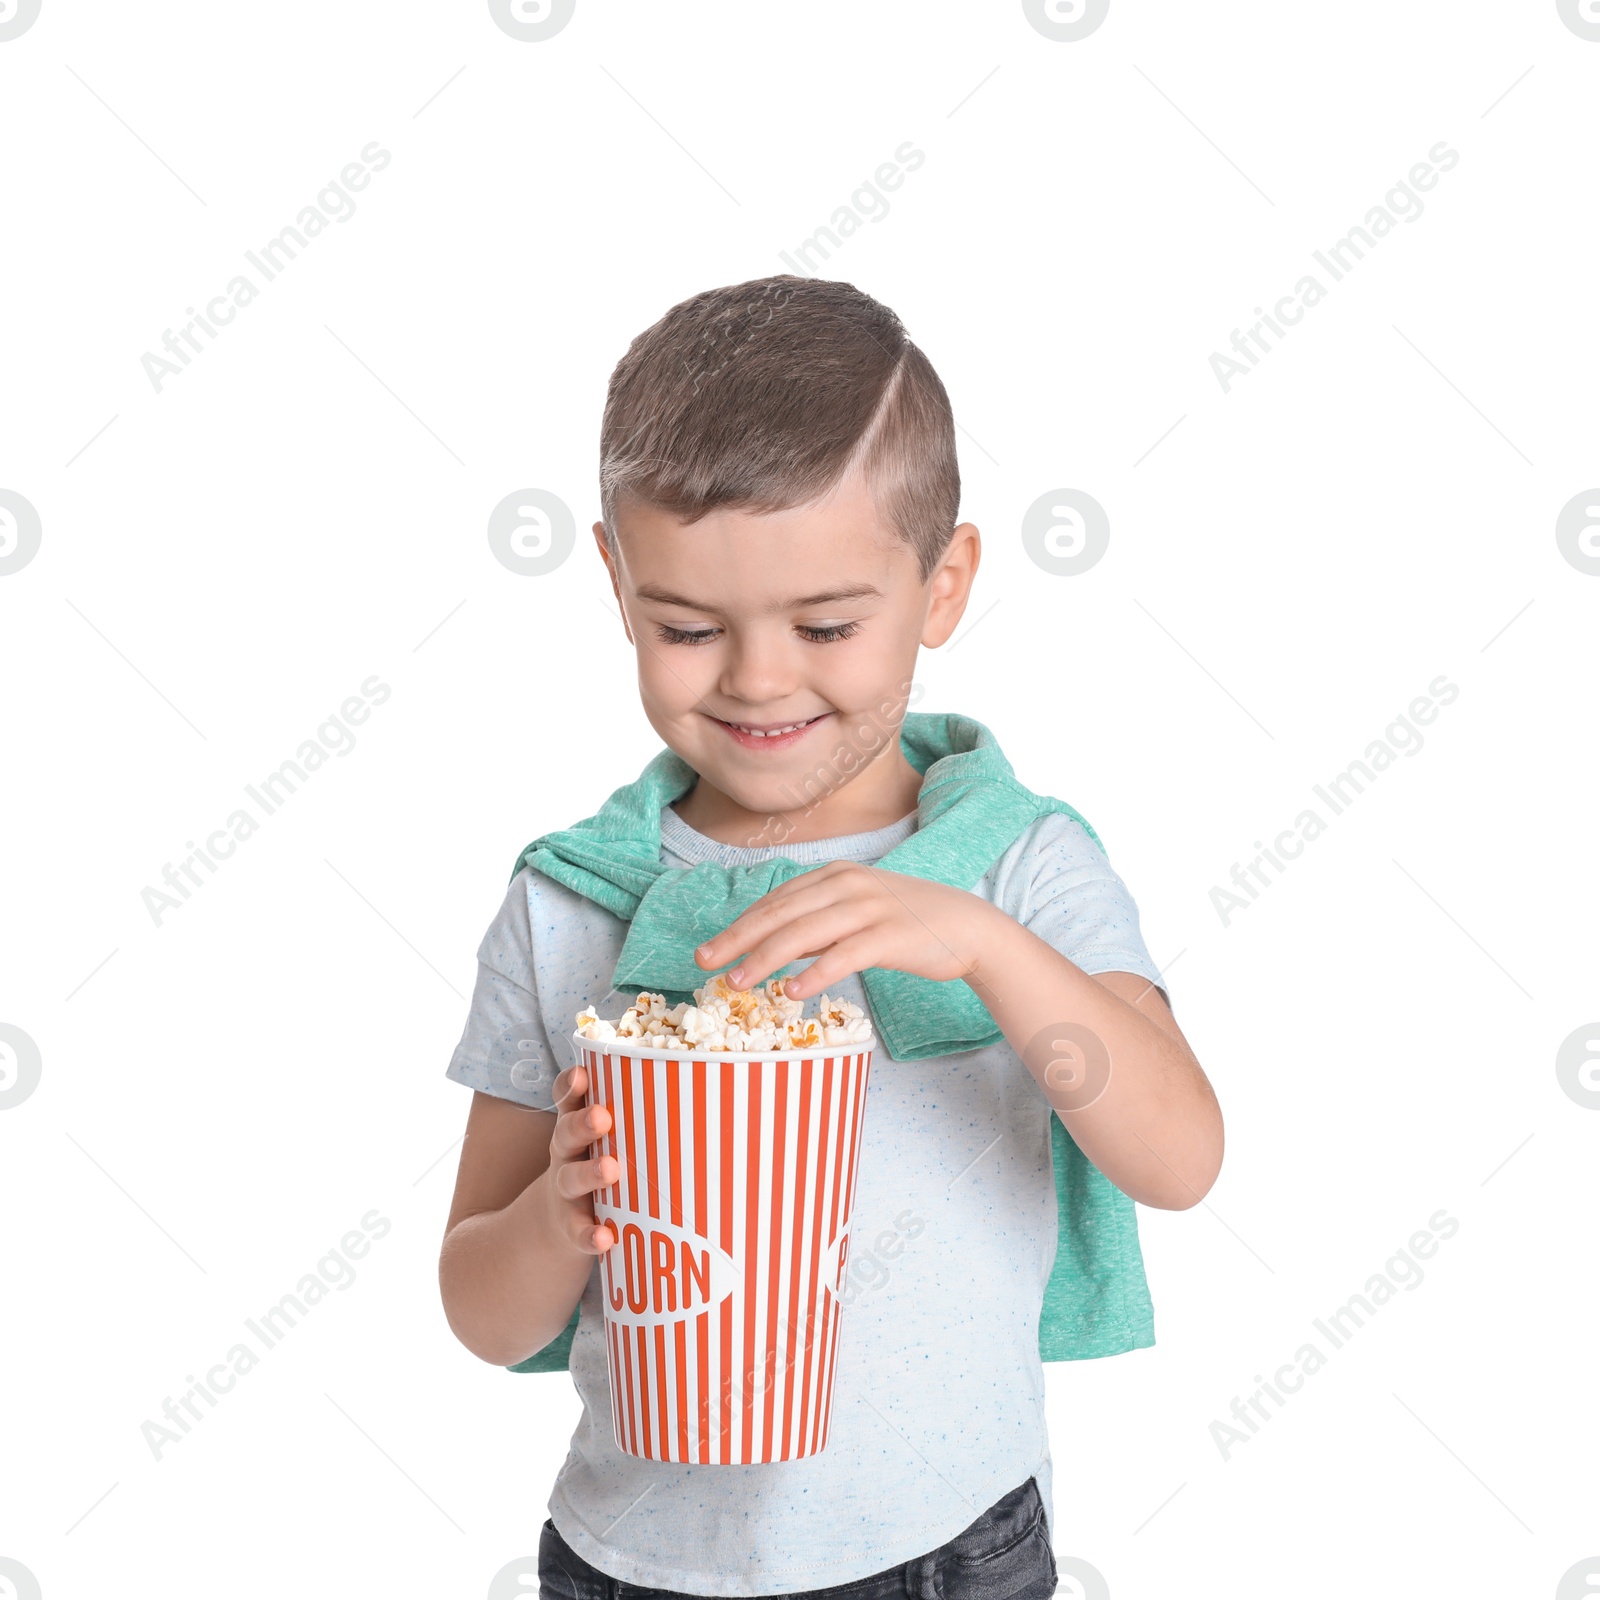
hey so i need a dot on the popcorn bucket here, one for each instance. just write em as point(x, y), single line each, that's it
point(732, 1215)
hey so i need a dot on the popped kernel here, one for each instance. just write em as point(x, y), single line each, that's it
point(723, 1018)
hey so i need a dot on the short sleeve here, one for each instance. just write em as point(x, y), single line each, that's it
point(505, 1049)
point(1068, 894)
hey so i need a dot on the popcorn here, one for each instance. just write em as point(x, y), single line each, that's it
point(722, 1018)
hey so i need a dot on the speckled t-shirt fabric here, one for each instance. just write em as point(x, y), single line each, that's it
point(938, 1406)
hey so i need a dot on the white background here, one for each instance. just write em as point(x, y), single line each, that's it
point(225, 1095)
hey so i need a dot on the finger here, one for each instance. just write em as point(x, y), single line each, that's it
point(568, 1088)
point(591, 1237)
point(576, 1130)
point(585, 1126)
point(848, 956)
point(810, 889)
point(814, 932)
point(746, 935)
point(574, 1179)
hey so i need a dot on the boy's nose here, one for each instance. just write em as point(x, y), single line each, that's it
point(759, 672)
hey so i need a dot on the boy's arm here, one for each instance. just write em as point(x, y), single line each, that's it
point(508, 1275)
point(1146, 1117)
point(521, 1240)
point(1146, 1114)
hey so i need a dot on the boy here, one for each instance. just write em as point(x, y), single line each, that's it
point(779, 489)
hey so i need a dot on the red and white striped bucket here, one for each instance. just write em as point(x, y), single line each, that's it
point(732, 1215)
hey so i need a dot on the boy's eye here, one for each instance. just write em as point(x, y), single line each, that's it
point(823, 635)
point(670, 635)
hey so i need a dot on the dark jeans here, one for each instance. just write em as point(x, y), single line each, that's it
point(1004, 1555)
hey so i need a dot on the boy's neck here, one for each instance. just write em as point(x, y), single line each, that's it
point(878, 795)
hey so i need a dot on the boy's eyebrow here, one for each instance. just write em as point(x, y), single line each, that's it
point(848, 591)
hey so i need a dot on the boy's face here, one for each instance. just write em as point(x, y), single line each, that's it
point(805, 620)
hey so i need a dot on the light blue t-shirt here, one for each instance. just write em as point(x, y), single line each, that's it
point(938, 1406)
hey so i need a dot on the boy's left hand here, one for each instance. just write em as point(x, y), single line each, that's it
point(850, 917)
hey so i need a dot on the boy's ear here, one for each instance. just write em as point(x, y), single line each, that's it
point(951, 585)
point(611, 572)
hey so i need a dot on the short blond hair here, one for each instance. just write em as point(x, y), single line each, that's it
point(763, 396)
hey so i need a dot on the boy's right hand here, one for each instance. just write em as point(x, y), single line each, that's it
point(572, 1176)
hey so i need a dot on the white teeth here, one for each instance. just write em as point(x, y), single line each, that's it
point(771, 733)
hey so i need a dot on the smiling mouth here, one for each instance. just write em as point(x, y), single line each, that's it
point(771, 730)
point(768, 735)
